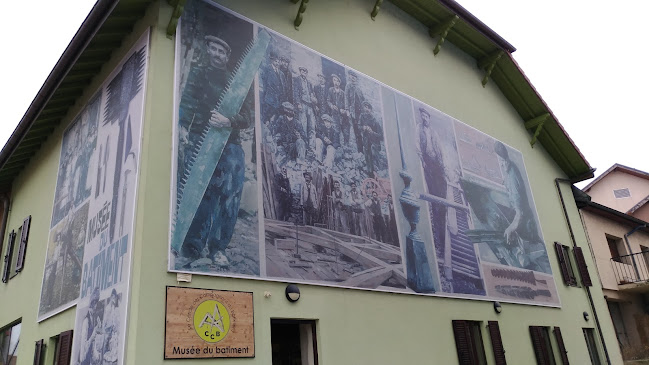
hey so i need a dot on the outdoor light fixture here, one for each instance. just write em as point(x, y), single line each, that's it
point(292, 293)
point(497, 307)
point(586, 316)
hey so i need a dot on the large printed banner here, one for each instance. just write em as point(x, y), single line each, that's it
point(89, 251)
point(291, 166)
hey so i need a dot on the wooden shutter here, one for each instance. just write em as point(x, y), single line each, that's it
point(8, 256)
point(497, 343)
point(463, 343)
point(563, 266)
point(562, 348)
point(37, 352)
point(65, 348)
point(582, 267)
point(540, 348)
point(24, 234)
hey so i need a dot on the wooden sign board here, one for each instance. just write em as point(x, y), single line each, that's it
point(203, 323)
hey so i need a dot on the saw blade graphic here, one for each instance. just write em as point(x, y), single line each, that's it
point(212, 141)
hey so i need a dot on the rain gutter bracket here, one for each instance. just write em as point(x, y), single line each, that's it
point(537, 123)
point(179, 7)
point(300, 11)
point(442, 30)
point(376, 9)
point(488, 63)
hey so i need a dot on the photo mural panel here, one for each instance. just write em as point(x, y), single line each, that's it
point(291, 166)
point(88, 257)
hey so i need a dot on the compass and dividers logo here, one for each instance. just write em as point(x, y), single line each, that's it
point(202, 323)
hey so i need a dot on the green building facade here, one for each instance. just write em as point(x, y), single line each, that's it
point(464, 244)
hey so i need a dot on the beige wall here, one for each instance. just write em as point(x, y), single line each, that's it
point(636, 321)
point(597, 229)
point(642, 213)
point(602, 192)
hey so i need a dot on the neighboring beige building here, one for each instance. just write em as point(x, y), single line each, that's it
point(614, 216)
point(622, 188)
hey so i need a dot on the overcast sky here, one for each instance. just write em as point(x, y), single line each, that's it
point(587, 59)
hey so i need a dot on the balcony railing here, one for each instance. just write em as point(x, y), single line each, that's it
point(632, 268)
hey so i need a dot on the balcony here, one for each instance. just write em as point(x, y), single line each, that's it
point(632, 272)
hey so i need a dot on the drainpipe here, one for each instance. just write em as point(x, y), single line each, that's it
point(628, 247)
point(587, 289)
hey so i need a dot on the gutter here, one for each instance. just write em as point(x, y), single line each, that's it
point(82, 38)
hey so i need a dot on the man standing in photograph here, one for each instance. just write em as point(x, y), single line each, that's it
point(320, 93)
point(430, 152)
point(283, 195)
point(305, 100)
point(217, 213)
point(371, 137)
point(357, 210)
point(336, 105)
point(273, 83)
point(353, 106)
point(309, 199)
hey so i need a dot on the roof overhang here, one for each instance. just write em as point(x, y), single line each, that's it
point(584, 203)
point(102, 32)
point(111, 20)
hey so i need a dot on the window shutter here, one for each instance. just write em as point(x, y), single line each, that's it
point(37, 352)
point(65, 348)
point(24, 234)
point(582, 267)
point(463, 343)
point(540, 350)
point(8, 256)
point(562, 348)
point(497, 343)
point(562, 263)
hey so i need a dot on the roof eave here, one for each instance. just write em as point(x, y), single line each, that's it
point(75, 48)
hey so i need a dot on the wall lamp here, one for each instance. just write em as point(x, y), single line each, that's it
point(497, 307)
point(586, 316)
point(292, 293)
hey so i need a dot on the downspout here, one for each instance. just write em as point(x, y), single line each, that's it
point(628, 247)
point(587, 289)
point(4, 200)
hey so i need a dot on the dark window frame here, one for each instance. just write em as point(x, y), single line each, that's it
point(565, 264)
point(8, 258)
point(469, 342)
point(542, 345)
point(591, 344)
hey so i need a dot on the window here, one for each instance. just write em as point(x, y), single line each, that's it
point(542, 345)
point(9, 339)
point(14, 259)
point(38, 352)
point(8, 259)
point(589, 335)
point(645, 256)
point(468, 342)
point(293, 342)
point(582, 267)
point(616, 248)
point(62, 348)
point(622, 193)
point(567, 271)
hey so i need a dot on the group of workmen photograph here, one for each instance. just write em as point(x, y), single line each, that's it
point(323, 145)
